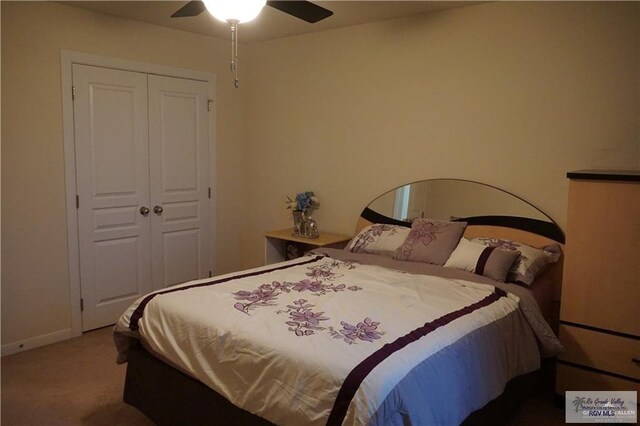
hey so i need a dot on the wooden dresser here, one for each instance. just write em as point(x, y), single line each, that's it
point(600, 308)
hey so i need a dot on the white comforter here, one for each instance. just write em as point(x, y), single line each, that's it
point(320, 341)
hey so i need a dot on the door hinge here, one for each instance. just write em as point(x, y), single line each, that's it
point(209, 104)
point(77, 201)
point(209, 192)
point(81, 305)
point(73, 93)
point(210, 274)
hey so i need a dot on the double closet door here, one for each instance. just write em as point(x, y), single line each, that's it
point(141, 144)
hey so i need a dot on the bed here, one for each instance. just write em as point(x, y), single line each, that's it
point(346, 336)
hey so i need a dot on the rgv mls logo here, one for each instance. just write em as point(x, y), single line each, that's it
point(601, 407)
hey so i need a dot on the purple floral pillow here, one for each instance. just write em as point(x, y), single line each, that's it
point(380, 239)
point(531, 262)
point(430, 241)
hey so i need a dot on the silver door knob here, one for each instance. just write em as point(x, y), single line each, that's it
point(144, 211)
point(158, 210)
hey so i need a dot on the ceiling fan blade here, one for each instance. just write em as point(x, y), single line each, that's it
point(304, 10)
point(193, 8)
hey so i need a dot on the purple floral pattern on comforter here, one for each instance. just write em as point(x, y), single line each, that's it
point(266, 294)
point(366, 330)
point(303, 321)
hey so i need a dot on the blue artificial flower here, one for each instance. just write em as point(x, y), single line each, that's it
point(303, 201)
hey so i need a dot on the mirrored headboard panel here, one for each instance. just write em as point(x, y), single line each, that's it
point(456, 199)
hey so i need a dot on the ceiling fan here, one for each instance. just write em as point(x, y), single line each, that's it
point(236, 12)
point(304, 10)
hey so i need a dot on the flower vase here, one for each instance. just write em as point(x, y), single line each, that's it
point(299, 218)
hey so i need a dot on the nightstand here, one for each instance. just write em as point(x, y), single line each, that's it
point(282, 245)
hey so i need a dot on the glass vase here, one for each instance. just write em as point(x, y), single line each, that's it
point(299, 218)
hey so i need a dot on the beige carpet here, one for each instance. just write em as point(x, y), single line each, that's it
point(77, 382)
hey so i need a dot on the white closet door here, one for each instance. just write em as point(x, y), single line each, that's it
point(178, 152)
point(111, 138)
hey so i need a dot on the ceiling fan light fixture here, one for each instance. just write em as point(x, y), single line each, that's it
point(239, 11)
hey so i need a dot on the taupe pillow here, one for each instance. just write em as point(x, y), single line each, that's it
point(430, 241)
point(530, 263)
point(480, 259)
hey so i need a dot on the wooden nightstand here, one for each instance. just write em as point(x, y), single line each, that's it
point(277, 243)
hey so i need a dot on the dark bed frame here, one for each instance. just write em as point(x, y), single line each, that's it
point(171, 398)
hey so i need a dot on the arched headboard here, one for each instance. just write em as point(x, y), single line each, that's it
point(488, 211)
point(483, 207)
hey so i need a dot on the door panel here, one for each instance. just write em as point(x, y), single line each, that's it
point(116, 283)
point(115, 218)
point(179, 264)
point(178, 138)
point(178, 152)
point(111, 138)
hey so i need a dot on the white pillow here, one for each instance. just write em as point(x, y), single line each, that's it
point(379, 238)
point(487, 261)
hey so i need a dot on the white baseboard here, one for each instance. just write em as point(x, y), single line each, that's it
point(34, 342)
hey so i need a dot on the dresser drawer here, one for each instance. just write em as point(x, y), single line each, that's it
point(599, 350)
point(570, 378)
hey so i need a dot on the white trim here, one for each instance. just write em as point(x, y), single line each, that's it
point(70, 57)
point(67, 59)
point(34, 342)
point(213, 156)
point(70, 197)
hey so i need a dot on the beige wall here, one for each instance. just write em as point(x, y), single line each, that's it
point(35, 276)
point(510, 94)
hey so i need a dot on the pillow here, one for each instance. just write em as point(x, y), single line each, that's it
point(430, 241)
point(378, 239)
point(531, 262)
point(488, 261)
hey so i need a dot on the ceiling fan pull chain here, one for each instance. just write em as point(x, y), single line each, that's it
point(234, 51)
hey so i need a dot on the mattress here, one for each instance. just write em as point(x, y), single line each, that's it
point(342, 338)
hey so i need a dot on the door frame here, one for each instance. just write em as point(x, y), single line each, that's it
point(67, 59)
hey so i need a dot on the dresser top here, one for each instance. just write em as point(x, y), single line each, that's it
point(617, 175)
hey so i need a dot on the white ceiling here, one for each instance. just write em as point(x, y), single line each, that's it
point(270, 23)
